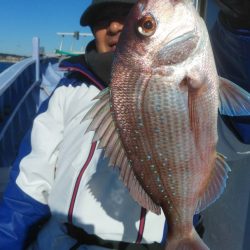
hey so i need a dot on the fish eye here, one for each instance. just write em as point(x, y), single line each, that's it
point(146, 25)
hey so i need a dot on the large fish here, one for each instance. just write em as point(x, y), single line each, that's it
point(158, 120)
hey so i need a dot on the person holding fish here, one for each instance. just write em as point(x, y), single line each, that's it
point(147, 106)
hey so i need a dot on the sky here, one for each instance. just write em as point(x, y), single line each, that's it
point(21, 20)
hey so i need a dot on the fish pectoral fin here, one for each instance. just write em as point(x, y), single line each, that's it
point(216, 184)
point(106, 133)
point(234, 100)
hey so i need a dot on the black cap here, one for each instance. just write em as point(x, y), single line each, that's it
point(91, 12)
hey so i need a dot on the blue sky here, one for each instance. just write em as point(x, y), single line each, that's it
point(20, 20)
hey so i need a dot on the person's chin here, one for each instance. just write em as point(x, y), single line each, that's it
point(112, 48)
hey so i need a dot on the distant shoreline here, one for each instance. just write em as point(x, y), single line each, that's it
point(11, 58)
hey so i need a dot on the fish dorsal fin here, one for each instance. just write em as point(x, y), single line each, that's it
point(234, 100)
point(216, 183)
point(107, 135)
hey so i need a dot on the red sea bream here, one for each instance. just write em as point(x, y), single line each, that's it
point(158, 119)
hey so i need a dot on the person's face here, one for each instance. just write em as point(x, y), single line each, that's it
point(108, 26)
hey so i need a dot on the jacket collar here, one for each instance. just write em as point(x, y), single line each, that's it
point(93, 65)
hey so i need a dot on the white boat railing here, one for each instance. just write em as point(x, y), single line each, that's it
point(8, 76)
point(21, 91)
point(36, 55)
point(17, 106)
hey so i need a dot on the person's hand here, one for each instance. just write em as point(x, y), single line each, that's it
point(236, 12)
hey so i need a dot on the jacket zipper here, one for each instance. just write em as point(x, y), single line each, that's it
point(78, 181)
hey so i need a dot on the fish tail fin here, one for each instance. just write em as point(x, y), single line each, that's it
point(193, 242)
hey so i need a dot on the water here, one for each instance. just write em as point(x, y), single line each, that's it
point(4, 65)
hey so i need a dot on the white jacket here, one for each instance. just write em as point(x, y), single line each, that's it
point(66, 171)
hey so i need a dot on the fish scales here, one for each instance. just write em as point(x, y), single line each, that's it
point(158, 133)
point(176, 145)
point(130, 123)
point(164, 98)
point(156, 126)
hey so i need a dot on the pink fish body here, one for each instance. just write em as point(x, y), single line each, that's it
point(158, 120)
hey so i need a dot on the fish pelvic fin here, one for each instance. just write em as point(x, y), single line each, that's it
point(216, 183)
point(234, 100)
point(192, 242)
point(107, 136)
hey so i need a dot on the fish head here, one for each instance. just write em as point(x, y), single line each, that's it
point(159, 32)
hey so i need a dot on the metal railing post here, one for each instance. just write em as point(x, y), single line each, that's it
point(36, 55)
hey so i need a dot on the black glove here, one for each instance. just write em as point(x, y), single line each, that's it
point(235, 13)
